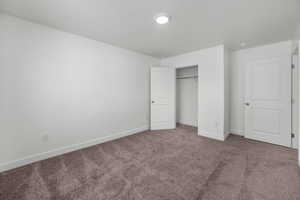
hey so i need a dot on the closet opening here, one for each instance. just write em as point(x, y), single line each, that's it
point(187, 96)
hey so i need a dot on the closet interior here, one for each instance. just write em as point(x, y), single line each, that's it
point(187, 96)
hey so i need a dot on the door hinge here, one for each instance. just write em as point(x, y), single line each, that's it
point(293, 66)
point(292, 135)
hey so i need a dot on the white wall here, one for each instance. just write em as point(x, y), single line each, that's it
point(298, 106)
point(238, 60)
point(210, 88)
point(187, 96)
point(60, 92)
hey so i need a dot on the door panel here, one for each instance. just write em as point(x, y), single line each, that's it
point(266, 83)
point(163, 98)
point(270, 126)
point(268, 101)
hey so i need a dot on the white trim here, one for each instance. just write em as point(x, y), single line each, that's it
point(187, 124)
point(295, 97)
point(211, 135)
point(226, 135)
point(237, 132)
point(56, 152)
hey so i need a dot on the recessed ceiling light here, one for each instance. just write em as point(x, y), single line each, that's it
point(162, 19)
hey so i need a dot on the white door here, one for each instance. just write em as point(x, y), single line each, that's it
point(268, 101)
point(163, 80)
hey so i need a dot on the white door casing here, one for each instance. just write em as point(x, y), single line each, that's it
point(163, 95)
point(268, 101)
point(295, 104)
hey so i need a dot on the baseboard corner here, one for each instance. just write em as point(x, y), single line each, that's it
point(236, 132)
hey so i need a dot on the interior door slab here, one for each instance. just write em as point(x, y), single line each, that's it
point(268, 101)
point(163, 87)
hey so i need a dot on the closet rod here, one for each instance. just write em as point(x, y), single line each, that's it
point(186, 77)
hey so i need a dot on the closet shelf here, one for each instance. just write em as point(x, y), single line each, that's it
point(185, 77)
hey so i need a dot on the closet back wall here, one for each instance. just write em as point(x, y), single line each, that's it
point(60, 92)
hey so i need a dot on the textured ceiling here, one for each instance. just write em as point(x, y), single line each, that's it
point(196, 24)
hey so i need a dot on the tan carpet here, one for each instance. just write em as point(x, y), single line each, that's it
point(161, 165)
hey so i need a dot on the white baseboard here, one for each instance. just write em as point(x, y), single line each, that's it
point(188, 124)
point(226, 134)
point(211, 135)
point(237, 132)
point(56, 152)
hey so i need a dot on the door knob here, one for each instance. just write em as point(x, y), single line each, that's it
point(152, 102)
point(247, 104)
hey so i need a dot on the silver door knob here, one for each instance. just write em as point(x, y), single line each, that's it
point(152, 101)
point(247, 104)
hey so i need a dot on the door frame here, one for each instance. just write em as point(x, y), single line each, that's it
point(182, 67)
point(295, 99)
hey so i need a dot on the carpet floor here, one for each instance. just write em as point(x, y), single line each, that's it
point(161, 165)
